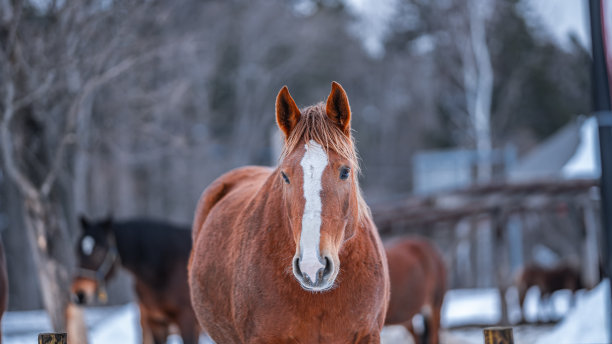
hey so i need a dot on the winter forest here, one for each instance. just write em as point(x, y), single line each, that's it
point(466, 116)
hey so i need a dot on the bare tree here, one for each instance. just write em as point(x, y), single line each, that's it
point(48, 86)
point(478, 82)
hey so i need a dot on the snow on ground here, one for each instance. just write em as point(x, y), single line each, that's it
point(585, 163)
point(470, 306)
point(584, 323)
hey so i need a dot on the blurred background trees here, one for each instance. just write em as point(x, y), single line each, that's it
point(131, 108)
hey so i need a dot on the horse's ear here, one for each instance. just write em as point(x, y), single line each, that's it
point(107, 223)
point(287, 112)
point(83, 221)
point(338, 108)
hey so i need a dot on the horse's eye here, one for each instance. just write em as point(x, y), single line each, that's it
point(344, 172)
point(285, 177)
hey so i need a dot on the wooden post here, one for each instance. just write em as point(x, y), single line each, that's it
point(52, 338)
point(498, 335)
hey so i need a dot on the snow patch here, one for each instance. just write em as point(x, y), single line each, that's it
point(585, 161)
point(587, 322)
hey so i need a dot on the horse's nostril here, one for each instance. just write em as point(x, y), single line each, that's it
point(296, 266)
point(80, 296)
point(329, 267)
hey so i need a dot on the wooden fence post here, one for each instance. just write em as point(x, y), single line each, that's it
point(52, 338)
point(498, 335)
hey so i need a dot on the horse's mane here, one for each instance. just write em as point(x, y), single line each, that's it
point(315, 125)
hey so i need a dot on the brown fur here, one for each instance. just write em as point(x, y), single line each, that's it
point(418, 283)
point(246, 232)
point(548, 280)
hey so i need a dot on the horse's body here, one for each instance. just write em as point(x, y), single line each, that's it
point(3, 286)
point(242, 286)
point(156, 254)
point(418, 283)
point(548, 280)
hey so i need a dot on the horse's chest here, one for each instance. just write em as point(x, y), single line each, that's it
point(309, 327)
point(304, 317)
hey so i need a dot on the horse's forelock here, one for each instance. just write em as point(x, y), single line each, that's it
point(315, 125)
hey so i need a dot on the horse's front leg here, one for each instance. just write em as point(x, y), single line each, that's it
point(147, 333)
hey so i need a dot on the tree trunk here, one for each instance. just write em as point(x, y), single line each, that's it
point(23, 287)
point(51, 248)
point(478, 83)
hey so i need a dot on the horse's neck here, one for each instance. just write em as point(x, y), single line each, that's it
point(127, 242)
point(270, 196)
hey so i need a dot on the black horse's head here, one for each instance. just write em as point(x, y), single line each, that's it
point(97, 257)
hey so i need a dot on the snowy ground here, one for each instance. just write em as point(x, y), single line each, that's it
point(585, 323)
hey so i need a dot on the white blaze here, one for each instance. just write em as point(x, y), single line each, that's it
point(313, 163)
point(87, 245)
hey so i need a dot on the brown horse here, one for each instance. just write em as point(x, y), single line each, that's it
point(291, 255)
point(156, 255)
point(548, 280)
point(3, 286)
point(418, 284)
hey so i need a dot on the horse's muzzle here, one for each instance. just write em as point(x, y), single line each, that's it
point(83, 291)
point(314, 275)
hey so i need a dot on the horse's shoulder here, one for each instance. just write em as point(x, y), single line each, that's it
point(220, 188)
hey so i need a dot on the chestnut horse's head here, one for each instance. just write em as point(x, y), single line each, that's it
point(318, 173)
point(97, 257)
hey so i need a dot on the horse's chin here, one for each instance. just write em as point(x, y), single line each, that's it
point(318, 289)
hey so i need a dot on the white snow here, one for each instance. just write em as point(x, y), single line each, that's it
point(586, 322)
point(122, 327)
point(470, 306)
point(585, 161)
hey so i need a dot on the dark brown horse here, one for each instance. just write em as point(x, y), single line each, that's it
point(156, 255)
point(418, 284)
point(290, 254)
point(3, 286)
point(548, 280)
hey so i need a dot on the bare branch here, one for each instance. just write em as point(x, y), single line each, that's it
point(12, 170)
point(87, 91)
point(28, 99)
point(46, 186)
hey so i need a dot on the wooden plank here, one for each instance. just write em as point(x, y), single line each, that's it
point(399, 215)
point(52, 338)
point(498, 335)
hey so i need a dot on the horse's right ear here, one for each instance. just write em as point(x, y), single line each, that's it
point(83, 221)
point(287, 112)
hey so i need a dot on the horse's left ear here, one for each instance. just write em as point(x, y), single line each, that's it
point(287, 112)
point(338, 108)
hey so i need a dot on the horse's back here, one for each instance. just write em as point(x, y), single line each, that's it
point(221, 187)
